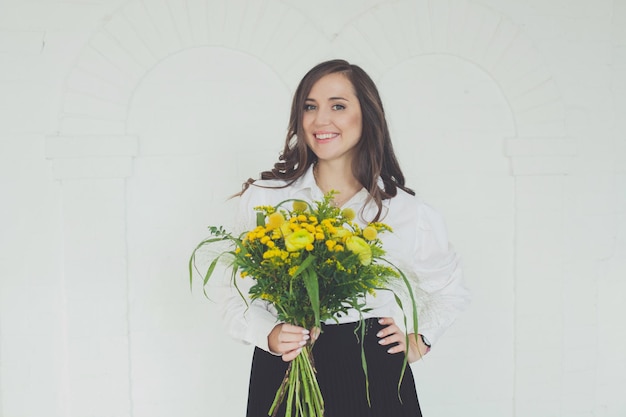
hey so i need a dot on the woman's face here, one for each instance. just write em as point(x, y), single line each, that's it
point(332, 119)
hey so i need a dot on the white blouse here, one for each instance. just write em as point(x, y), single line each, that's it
point(418, 245)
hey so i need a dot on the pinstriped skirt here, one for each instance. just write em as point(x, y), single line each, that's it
point(337, 356)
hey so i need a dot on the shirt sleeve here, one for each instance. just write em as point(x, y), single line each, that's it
point(248, 321)
point(441, 292)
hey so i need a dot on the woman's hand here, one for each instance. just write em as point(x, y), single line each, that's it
point(392, 334)
point(287, 340)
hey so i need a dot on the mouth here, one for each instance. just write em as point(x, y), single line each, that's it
point(325, 136)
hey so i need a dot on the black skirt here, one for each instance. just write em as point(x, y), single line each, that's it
point(337, 357)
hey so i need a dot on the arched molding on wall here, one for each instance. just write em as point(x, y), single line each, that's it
point(91, 140)
point(389, 34)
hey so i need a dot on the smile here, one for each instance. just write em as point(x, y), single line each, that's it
point(322, 136)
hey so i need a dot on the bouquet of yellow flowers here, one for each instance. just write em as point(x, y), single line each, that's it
point(313, 263)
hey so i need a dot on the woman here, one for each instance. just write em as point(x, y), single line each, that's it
point(338, 140)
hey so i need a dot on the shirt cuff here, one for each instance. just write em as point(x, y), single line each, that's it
point(260, 324)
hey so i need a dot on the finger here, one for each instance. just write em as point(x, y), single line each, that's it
point(292, 328)
point(291, 355)
point(292, 341)
point(399, 348)
point(386, 321)
point(395, 342)
point(389, 330)
point(290, 333)
point(394, 338)
point(315, 333)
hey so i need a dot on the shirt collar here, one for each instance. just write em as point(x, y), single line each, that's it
point(306, 181)
point(307, 184)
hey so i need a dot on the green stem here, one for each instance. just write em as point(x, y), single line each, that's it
point(300, 389)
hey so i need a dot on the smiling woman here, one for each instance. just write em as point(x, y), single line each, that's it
point(338, 140)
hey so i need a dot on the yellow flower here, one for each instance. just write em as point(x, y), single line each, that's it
point(275, 253)
point(370, 233)
point(360, 247)
point(381, 227)
point(285, 229)
point(342, 233)
point(267, 209)
point(300, 206)
point(348, 213)
point(275, 220)
point(298, 240)
point(268, 297)
point(330, 244)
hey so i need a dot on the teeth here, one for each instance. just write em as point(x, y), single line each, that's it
point(325, 135)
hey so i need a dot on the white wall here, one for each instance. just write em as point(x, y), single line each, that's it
point(125, 125)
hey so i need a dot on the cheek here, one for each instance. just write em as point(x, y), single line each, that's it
point(306, 121)
point(356, 122)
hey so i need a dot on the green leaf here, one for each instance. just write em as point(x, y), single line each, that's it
point(304, 265)
point(192, 258)
point(312, 288)
point(260, 219)
point(209, 272)
point(364, 362)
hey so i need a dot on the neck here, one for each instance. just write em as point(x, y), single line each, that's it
point(338, 177)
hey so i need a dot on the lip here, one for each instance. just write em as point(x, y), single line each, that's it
point(324, 136)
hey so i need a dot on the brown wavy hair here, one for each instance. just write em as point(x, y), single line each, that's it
point(374, 156)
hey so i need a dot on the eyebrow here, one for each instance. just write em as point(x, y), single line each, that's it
point(329, 99)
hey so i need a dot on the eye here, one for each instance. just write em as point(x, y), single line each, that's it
point(338, 107)
point(309, 107)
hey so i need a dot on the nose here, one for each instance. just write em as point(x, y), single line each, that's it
point(323, 116)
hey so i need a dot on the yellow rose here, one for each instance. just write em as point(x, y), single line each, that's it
point(360, 247)
point(285, 229)
point(342, 233)
point(298, 240)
